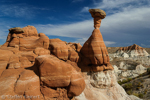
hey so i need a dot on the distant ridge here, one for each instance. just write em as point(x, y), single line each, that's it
point(132, 47)
point(133, 51)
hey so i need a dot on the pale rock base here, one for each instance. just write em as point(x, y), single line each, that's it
point(103, 86)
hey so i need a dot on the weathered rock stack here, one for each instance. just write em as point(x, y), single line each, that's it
point(99, 76)
point(94, 48)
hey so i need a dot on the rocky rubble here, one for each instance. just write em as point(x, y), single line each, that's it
point(32, 67)
point(125, 71)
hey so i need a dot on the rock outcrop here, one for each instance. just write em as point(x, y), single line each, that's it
point(94, 48)
point(132, 51)
point(64, 51)
point(19, 82)
point(34, 67)
point(26, 39)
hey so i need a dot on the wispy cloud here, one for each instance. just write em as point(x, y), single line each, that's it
point(19, 10)
point(144, 45)
point(114, 6)
point(118, 28)
point(81, 40)
point(85, 9)
point(77, 30)
point(52, 18)
point(109, 43)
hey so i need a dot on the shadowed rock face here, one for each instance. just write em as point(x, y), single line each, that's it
point(16, 30)
point(97, 13)
point(94, 48)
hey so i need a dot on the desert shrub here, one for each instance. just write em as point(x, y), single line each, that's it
point(129, 92)
point(119, 82)
point(138, 88)
point(141, 95)
point(128, 86)
point(148, 70)
point(142, 86)
point(142, 80)
point(136, 94)
point(139, 84)
point(145, 91)
point(129, 79)
point(124, 81)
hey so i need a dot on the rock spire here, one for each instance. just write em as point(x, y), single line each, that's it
point(94, 48)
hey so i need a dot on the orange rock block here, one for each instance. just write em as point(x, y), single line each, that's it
point(58, 48)
point(30, 31)
point(57, 73)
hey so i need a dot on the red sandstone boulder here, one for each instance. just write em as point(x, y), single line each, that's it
point(3, 65)
point(50, 94)
point(75, 65)
point(24, 62)
point(64, 51)
point(58, 48)
point(75, 46)
point(30, 31)
point(26, 39)
point(14, 61)
point(16, 30)
point(14, 42)
point(19, 82)
point(41, 51)
point(57, 73)
point(72, 55)
point(28, 43)
point(12, 49)
point(77, 84)
point(29, 55)
point(5, 55)
point(28, 83)
point(41, 34)
point(54, 72)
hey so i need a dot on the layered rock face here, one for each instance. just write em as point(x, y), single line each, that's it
point(32, 67)
point(133, 51)
point(94, 48)
point(26, 39)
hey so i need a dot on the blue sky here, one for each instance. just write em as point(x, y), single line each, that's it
point(127, 21)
